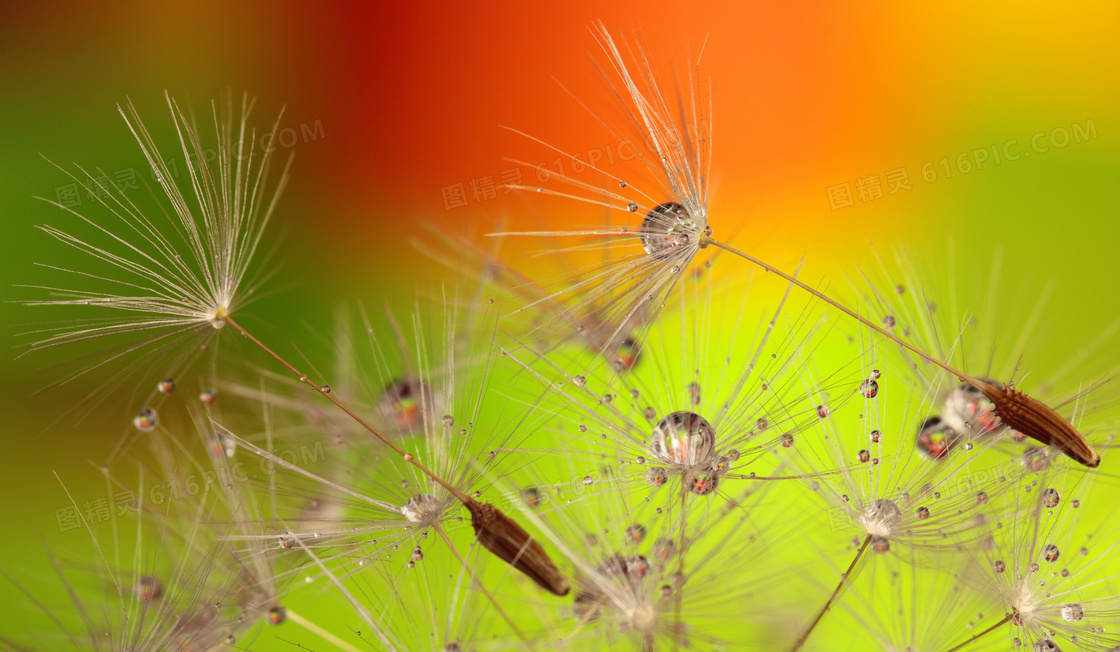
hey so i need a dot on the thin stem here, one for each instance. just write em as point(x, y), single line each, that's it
point(832, 598)
point(478, 583)
point(408, 457)
point(1006, 619)
point(319, 631)
point(851, 313)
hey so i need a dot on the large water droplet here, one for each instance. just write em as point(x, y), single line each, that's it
point(1073, 612)
point(402, 403)
point(421, 507)
point(667, 228)
point(1051, 497)
point(936, 438)
point(869, 388)
point(1051, 553)
point(683, 438)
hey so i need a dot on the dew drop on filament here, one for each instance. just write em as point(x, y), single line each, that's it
point(146, 420)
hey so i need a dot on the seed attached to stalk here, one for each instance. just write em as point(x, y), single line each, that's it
point(510, 542)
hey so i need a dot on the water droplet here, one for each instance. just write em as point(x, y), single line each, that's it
point(582, 428)
point(875, 374)
point(922, 513)
point(733, 454)
point(822, 411)
point(277, 615)
point(632, 207)
point(869, 388)
point(1046, 645)
point(998, 566)
point(580, 381)
point(683, 438)
point(762, 424)
point(417, 554)
point(146, 420)
point(420, 508)
point(656, 476)
point(1051, 553)
point(403, 402)
point(230, 640)
point(621, 184)
point(786, 440)
point(880, 544)
point(1033, 567)
point(1051, 497)
point(636, 533)
point(531, 496)
point(864, 455)
point(702, 481)
point(208, 396)
point(649, 413)
point(981, 497)
point(166, 386)
point(149, 588)
point(936, 438)
point(448, 420)
point(587, 481)
point(1075, 503)
point(667, 227)
point(889, 322)
point(876, 436)
point(626, 356)
point(1073, 612)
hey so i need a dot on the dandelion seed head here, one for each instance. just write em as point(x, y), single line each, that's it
point(881, 518)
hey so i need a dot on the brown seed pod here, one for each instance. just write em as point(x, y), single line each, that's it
point(1037, 421)
point(502, 536)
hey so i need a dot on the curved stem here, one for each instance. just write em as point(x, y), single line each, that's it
point(408, 457)
point(832, 598)
point(1006, 619)
point(851, 313)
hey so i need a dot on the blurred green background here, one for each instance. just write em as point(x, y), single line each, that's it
point(400, 103)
